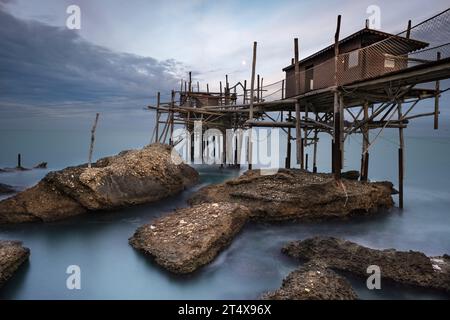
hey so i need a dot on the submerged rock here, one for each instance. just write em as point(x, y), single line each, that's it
point(314, 281)
point(411, 268)
point(298, 194)
point(190, 238)
point(41, 165)
point(129, 178)
point(12, 255)
point(6, 189)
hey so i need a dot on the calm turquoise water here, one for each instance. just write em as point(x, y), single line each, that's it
point(111, 269)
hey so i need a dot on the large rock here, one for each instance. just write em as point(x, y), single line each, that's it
point(313, 282)
point(6, 189)
point(411, 268)
point(129, 178)
point(190, 238)
point(297, 194)
point(12, 255)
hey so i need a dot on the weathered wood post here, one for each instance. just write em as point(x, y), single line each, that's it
point(400, 158)
point(19, 161)
point(436, 99)
point(262, 91)
point(207, 88)
point(282, 89)
point(172, 106)
point(288, 147)
point(252, 97)
point(245, 92)
point(91, 148)
point(190, 81)
point(337, 155)
point(315, 145)
point(298, 132)
point(158, 103)
point(198, 86)
point(365, 144)
point(257, 89)
point(408, 30)
point(220, 87)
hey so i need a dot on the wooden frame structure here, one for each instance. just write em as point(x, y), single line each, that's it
point(340, 110)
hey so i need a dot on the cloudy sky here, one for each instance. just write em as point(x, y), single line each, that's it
point(131, 49)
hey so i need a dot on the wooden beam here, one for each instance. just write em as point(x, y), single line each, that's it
point(436, 99)
point(252, 95)
point(298, 132)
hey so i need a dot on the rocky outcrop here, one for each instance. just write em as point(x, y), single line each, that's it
point(191, 237)
point(6, 189)
point(410, 268)
point(314, 281)
point(297, 194)
point(129, 178)
point(12, 255)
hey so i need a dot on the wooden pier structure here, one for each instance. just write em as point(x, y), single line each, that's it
point(370, 80)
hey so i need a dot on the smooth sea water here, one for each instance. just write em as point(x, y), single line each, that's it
point(253, 263)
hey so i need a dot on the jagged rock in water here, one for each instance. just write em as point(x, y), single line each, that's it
point(350, 175)
point(5, 189)
point(41, 165)
point(410, 268)
point(297, 194)
point(12, 255)
point(314, 281)
point(191, 237)
point(129, 178)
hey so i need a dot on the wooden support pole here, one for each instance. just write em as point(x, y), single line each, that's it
point(198, 86)
point(408, 30)
point(298, 132)
point(282, 89)
point(245, 92)
point(207, 88)
point(288, 147)
point(315, 146)
point(19, 161)
point(91, 148)
point(400, 160)
point(172, 105)
point(158, 103)
point(190, 82)
point(220, 87)
point(252, 96)
point(262, 91)
point(336, 147)
point(436, 99)
point(365, 144)
point(257, 90)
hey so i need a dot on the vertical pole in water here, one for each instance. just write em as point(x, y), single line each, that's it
point(400, 159)
point(298, 132)
point(436, 100)
point(252, 96)
point(365, 144)
point(315, 145)
point(91, 148)
point(158, 102)
point(19, 161)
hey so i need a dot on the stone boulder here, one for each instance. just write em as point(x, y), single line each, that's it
point(300, 195)
point(12, 255)
point(314, 281)
point(129, 178)
point(410, 268)
point(191, 237)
